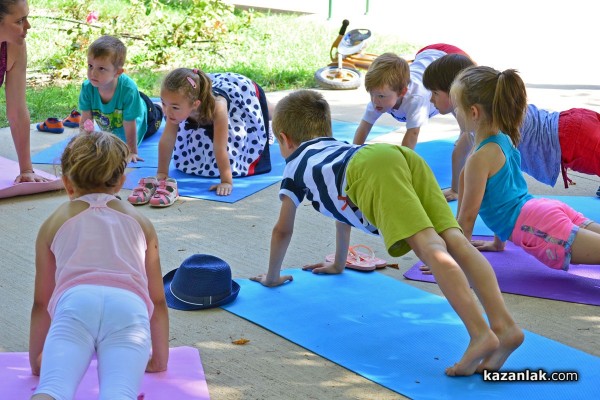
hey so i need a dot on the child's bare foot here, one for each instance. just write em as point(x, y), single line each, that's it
point(479, 349)
point(510, 339)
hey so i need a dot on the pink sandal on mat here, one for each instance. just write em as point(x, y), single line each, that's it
point(166, 194)
point(361, 261)
point(144, 191)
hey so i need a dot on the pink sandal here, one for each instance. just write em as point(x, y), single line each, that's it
point(166, 194)
point(144, 191)
point(361, 261)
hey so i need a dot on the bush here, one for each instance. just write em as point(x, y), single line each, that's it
point(156, 33)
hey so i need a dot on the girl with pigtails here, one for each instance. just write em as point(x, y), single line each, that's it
point(217, 125)
point(492, 104)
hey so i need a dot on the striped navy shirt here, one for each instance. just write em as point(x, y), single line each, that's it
point(317, 170)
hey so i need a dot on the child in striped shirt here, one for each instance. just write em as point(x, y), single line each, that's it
point(403, 204)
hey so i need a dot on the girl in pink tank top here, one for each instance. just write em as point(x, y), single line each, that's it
point(97, 291)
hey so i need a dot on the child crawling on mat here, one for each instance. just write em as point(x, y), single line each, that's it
point(112, 99)
point(493, 104)
point(550, 143)
point(98, 281)
point(404, 205)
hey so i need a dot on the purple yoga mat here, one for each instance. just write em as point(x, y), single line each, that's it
point(520, 273)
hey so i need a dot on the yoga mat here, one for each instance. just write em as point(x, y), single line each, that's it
point(438, 155)
point(197, 186)
point(194, 186)
point(183, 380)
point(9, 170)
point(401, 337)
point(520, 273)
point(587, 205)
point(148, 150)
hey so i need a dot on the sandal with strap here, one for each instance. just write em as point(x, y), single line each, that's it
point(52, 125)
point(144, 191)
point(359, 260)
point(166, 193)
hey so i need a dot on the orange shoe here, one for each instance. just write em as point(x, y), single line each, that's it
point(52, 125)
point(73, 120)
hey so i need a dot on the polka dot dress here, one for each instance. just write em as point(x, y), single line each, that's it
point(248, 132)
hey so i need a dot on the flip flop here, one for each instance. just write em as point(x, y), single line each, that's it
point(52, 125)
point(370, 255)
point(361, 261)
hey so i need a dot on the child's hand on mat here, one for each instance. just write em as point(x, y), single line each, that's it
point(135, 158)
point(222, 189)
point(450, 194)
point(324, 268)
point(485, 245)
point(262, 279)
point(154, 366)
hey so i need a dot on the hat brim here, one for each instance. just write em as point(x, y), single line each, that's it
point(175, 303)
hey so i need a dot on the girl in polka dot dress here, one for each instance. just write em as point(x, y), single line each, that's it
point(217, 125)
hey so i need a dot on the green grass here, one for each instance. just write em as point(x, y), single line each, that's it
point(279, 51)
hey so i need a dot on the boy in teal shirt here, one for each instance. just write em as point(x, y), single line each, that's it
point(112, 99)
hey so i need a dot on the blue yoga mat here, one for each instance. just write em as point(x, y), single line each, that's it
point(438, 155)
point(197, 187)
point(148, 150)
point(587, 205)
point(401, 337)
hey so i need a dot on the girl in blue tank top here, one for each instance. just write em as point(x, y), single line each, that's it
point(492, 104)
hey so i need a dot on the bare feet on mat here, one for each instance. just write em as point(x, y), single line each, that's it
point(510, 340)
point(479, 349)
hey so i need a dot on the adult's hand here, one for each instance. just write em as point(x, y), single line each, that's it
point(30, 176)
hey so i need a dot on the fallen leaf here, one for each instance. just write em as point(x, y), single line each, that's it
point(241, 341)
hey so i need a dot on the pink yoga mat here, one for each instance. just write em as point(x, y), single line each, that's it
point(520, 273)
point(183, 380)
point(9, 170)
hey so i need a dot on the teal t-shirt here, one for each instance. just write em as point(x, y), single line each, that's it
point(125, 105)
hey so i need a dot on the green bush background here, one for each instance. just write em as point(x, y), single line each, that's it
point(279, 51)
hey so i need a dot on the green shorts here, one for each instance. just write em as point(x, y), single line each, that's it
point(397, 192)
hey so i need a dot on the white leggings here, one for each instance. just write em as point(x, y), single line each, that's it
point(109, 321)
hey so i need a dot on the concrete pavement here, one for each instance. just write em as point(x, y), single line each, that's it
point(270, 367)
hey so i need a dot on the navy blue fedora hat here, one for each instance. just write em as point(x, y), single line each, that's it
point(202, 281)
